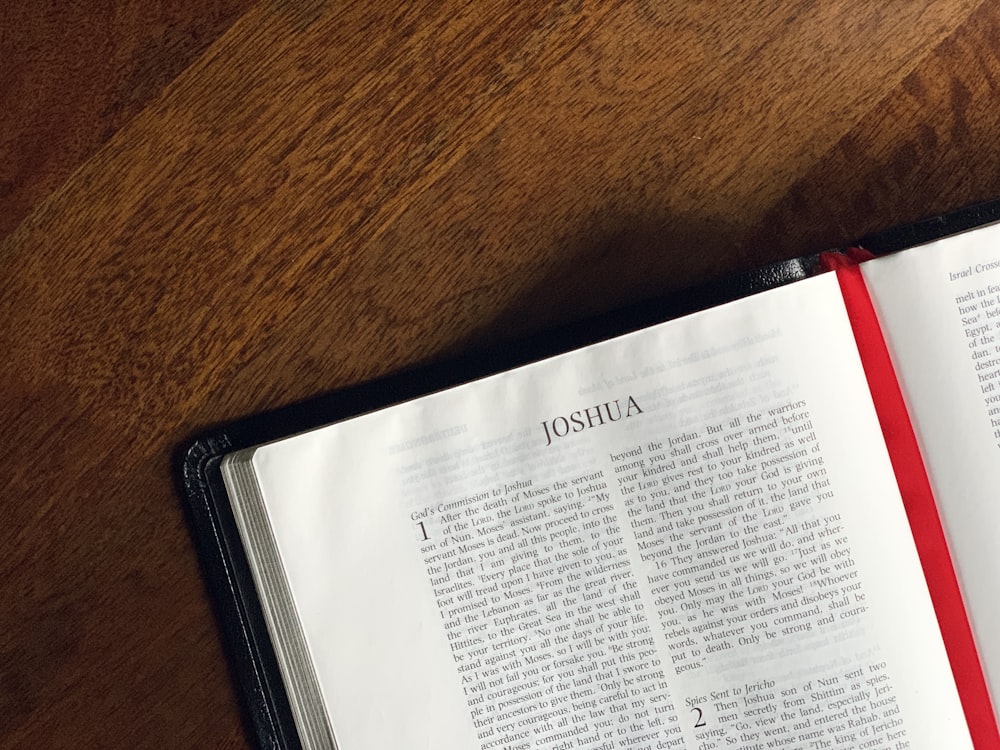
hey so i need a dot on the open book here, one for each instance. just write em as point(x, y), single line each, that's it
point(773, 523)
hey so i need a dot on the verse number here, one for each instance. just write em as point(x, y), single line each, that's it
point(423, 531)
point(700, 721)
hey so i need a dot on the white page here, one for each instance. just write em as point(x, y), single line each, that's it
point(346, 504)
point(939, 307)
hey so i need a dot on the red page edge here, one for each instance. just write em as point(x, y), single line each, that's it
point(921, 508)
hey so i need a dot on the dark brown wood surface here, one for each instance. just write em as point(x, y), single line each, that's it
point(228, 207)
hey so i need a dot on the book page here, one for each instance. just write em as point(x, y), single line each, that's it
point(687, 537)
point(939, 306)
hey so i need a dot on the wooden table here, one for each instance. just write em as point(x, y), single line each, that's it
point(214, 209)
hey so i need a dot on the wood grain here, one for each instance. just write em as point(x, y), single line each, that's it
point(75, 72)
point(334, 191)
